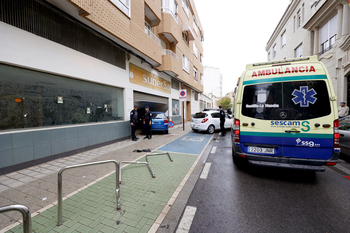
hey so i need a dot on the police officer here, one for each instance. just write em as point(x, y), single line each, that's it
point(133, 121)
point(222, 121)
point(148, 123)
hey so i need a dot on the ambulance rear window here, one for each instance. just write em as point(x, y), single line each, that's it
point(297, 100)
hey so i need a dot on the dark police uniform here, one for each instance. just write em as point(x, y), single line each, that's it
point(148, 119)
point(222, 122)
point(134, 120)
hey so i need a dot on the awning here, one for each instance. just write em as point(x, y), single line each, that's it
point(186, 27)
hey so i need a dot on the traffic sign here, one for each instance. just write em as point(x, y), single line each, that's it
point(183, 95)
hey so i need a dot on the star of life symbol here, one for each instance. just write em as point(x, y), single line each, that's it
point(298, 140)
point(304, 96)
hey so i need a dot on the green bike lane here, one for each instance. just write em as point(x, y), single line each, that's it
point(145, 201)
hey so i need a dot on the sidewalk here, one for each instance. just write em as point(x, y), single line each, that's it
point(144, 200)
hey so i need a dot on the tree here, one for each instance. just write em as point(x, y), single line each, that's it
point(225, 102)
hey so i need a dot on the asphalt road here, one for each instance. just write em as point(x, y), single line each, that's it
point(256, 199)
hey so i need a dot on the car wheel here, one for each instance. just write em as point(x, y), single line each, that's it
point(211, 129)
point(166, 131)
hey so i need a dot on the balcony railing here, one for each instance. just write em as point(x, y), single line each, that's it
point(169, 11)
point(327, 45)
point(154, 37)
point(171, 53)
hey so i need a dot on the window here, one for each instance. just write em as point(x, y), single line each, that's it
point(202, 38)
point(274, 51)
point(186, 7)
point(185, 37)
point(268, 57)
point(328, 35)
point(170, 7)
point(201, 59)
point(185, 63)
point(283, 39)
point(266, 101)
point(175, 84)
point(195, 26)
point(299, 51)
point(202, 79)
point(123, 5)
point(294, 19)
point(298, 19)
point(195, 49)
point(33, 99)
point(196, 96)
point(176, 107)
point(195, 73)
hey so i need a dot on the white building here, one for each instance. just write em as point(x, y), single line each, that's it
point(212, 81)
point(316, 28)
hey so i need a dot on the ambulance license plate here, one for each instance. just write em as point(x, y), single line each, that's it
point(254, 149)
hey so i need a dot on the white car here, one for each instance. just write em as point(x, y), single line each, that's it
point(209, 121)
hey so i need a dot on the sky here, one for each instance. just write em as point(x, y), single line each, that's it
point(236, 33)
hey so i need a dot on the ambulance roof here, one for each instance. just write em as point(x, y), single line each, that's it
point(292, 60)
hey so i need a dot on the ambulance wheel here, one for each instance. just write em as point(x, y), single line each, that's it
point(211, 129)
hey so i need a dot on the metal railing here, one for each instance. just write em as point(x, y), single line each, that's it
point(24, 210)
point(161, 153)
point(132, 162)
point(60, 196)
point(170, 53)
point(169, 11)
point(150, 33)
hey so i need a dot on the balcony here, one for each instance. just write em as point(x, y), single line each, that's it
point(154, 37)
point(168, 26)
point(170, 63)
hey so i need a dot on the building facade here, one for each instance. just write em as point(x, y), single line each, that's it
point(212, 81)
point(316, 28)
point(71, 71)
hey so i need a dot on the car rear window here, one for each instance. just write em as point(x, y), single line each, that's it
point(200, 115)
point(297, 100)
point(158, 116)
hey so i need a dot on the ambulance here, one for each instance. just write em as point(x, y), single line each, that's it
point(286, 116)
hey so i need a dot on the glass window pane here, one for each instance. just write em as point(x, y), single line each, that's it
point(33, 99)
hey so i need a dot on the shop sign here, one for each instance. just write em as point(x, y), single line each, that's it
point(144, 78)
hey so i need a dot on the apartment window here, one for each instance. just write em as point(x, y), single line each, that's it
point(274, 51)
point(195, 26)
point(202, 38)
point(195, 73)
point(186, 7)
point(201, 59)
point(170, 7)
point(123, 5)
point(185, 63)
point(196, 96)
point(195, 49)
point(147, 28)
point(328, 35)
point(268, 57)
point(283, 39)
point(202, 79)
point(298, 19)
point(299, 51)
point(185, 37)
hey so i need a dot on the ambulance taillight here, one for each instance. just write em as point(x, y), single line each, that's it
point(236, 130)
point(336, 134)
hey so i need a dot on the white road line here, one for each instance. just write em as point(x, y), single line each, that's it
point(205, 171)
point(213, 150)
point(342, 168)
point(186, 220)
